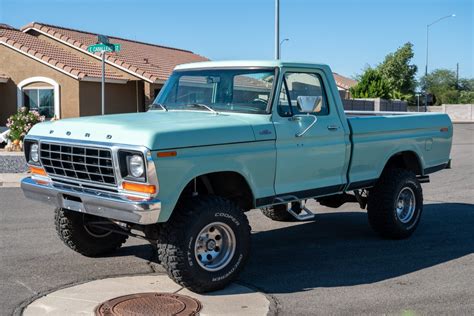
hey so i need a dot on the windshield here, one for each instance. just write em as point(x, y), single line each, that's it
point(228, 90)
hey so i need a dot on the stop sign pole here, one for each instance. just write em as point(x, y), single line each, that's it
point(103, 47)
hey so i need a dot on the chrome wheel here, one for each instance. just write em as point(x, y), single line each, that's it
point(215, 246)
point(406, 205)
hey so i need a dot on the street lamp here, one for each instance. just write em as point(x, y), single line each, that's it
point(427, 43)
point(281, 43)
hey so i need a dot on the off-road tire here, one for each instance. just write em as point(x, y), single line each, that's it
point(70, 229)
point(176, 243)
point(382, 201)
point(278, 213)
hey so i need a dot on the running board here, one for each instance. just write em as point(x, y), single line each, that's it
point(304, 214)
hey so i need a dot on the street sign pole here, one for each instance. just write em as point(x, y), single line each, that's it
point(103, 47)
point(103, 83)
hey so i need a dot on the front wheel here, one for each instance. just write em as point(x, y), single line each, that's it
point(76, 232)
point(205, 244)
point(395, 204)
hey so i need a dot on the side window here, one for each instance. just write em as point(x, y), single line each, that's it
point(297, 84)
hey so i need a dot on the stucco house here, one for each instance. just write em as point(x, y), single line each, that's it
point(49, 68)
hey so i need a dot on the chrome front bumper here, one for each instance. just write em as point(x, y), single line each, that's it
point(89, 201)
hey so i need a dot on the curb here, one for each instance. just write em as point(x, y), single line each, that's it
point(11, 180)
point(82, 298)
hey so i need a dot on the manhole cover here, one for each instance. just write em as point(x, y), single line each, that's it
point(149, 304)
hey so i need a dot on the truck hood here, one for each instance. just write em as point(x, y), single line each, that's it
point(161, 130)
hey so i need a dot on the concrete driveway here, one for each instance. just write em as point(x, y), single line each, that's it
point(334, 265)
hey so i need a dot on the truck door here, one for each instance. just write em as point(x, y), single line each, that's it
point(314, 163)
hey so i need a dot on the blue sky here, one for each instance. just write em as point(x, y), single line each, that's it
point(345, 34)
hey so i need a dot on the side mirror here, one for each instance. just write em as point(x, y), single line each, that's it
point(309, 103)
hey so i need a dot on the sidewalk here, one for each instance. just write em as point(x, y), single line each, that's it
point(82, 299)
point(11, 180)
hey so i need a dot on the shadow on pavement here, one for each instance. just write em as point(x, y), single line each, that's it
point(143, 251)
point(340, 249)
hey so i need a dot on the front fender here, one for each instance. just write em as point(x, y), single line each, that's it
point(255, 161)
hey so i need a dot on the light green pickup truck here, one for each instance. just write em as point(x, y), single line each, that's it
point(223, 138)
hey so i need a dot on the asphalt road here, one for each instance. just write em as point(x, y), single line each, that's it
point(333, 265)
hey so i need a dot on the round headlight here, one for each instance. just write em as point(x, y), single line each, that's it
point(34, 155)
point(136, 166)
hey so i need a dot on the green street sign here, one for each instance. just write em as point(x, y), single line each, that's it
point(104, 48)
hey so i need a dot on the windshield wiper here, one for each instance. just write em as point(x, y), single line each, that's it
point(203, 106)
point(161, 106)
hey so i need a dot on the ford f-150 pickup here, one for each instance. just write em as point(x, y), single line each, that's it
point(220, 139)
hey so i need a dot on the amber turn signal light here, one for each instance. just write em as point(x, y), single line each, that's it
point(141, 188)
point(166, 154)
point(38, 171)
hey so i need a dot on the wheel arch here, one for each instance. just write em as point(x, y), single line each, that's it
point(229, 184)
point(407, 159)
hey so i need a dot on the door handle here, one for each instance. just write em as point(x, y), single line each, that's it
point(333, 127)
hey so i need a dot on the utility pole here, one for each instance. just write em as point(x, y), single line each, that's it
point(277, 29)
point(457, 76)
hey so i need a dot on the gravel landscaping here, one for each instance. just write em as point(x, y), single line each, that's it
point(12, 162)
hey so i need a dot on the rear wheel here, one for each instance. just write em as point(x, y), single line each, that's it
point(205, 244)
point(77, 232)
point(395, 204)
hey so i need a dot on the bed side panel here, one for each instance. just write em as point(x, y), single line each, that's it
point(377, 138)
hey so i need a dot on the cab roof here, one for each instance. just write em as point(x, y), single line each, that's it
point(249, 63)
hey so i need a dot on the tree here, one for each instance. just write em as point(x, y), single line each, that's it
point(466, 97)
point(466, 84)
point(394, 78)
point(399, 73)
point(443, 85)
point(371, 85)
point(439, 79)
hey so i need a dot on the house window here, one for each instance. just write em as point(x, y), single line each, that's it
point(39, 99)
point(41, 94)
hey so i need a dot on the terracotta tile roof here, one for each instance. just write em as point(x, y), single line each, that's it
point(6, 26)
point(53, 55)
point(4, 78)
point(344, 82)
point(152, 62)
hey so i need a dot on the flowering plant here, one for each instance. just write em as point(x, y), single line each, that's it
point(21, 123)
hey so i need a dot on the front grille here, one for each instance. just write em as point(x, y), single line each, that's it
point(89, 164)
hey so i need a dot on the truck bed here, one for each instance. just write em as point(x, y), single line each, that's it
point(377, 136)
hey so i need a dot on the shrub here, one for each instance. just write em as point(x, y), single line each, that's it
point(466, 97)
point(371, 85)
point(21, 123)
